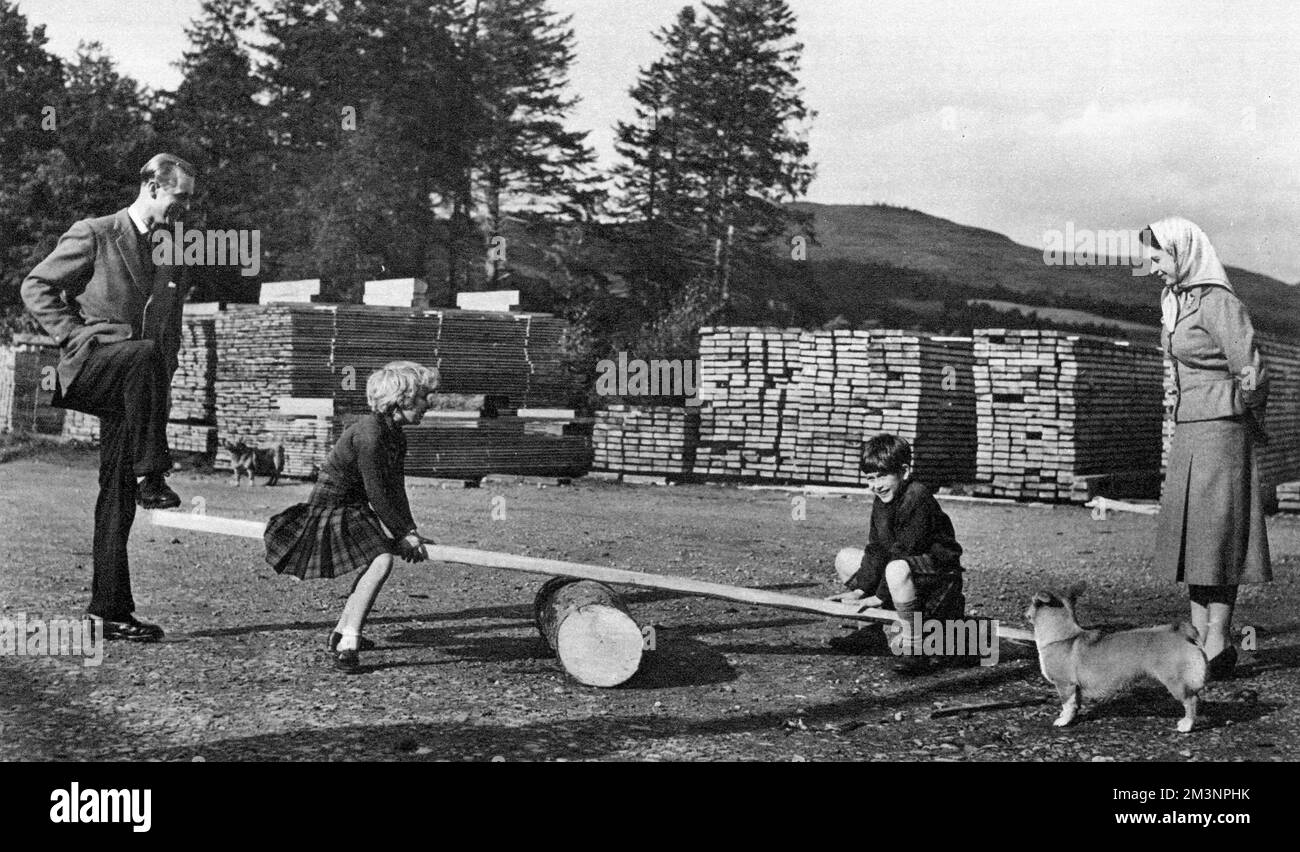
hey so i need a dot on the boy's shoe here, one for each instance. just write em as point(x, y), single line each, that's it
point(864, 640)
point(153, 493)
point(913, 665)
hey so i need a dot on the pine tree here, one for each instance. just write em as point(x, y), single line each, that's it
point(653, 177)
point(31, 82)
point(753, 116)
point(400, 60)
point(472, 93)
point(365, 219)
point(524, 54)
point(214, 120)
point(719, 140)
point(92, 169)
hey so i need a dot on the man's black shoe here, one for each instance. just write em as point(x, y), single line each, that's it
point(153, 493)
point(131, 630)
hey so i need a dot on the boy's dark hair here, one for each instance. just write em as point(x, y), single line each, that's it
point(886, 453)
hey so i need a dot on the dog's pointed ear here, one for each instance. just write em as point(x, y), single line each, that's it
point(1075, 591)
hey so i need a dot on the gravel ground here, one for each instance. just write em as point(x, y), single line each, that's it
point(461, 673)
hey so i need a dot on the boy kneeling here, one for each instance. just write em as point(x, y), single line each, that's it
point(912, 559)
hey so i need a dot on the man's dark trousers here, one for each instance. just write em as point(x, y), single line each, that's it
point(125, 385)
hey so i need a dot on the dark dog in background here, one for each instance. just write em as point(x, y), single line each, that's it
point(268, 462)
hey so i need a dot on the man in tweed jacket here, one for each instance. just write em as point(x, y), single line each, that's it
point(116, 316)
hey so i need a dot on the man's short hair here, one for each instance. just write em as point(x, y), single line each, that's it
point(163, 168)
point(886, 453)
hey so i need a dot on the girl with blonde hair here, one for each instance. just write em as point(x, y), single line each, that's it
point(358, 515)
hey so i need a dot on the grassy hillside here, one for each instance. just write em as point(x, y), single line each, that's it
point(874, 260)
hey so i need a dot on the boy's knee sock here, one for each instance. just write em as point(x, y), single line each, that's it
point(906, 610)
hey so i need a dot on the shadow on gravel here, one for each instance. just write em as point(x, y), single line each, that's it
point(681, 661)
point(591, 738)
point(38, 721)
point(1216, 708)
point(515, 612)
point(1271, 659)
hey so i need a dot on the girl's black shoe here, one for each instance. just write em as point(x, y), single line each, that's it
point(348, 662)
point(1224, 665)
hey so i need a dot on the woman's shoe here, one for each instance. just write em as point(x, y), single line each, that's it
point(1223, 666)
point(363, 644)
point(348, 662)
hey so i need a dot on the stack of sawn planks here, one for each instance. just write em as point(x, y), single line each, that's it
point(651, 440)
point(325, 353)
point(783, 405)
point(1055, 409)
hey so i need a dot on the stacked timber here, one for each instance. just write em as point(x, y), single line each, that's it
point(506, 445)
point(1279, 461)
point(1055, 410)
point(194, 397)
point(796, 406)
point(1288, 497)
point(194, 438)
point(922, 388)
point(646, 439)
point(397, 293)
point(491, 300)
point(827, 408)
point(274, 352)
point(192, 426)
point(79, 426)
point(27, 383)
point(744, 375)
point(295, 374)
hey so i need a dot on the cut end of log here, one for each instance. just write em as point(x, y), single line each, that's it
point(599, 646)
point(590, 629)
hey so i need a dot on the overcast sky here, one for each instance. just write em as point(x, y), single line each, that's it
point(1013, 115)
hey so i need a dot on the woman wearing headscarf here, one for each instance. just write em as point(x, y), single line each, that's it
point(1211, 532)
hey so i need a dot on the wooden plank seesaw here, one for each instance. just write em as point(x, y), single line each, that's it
point(598, 573)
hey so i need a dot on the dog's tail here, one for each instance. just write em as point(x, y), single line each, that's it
point(1188, 632)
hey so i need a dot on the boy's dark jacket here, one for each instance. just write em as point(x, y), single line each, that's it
point(912, 527)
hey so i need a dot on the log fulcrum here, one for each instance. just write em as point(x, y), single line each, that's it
point(590, 630)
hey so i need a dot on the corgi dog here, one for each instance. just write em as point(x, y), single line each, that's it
point(1090, 664)
point(267, 462)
